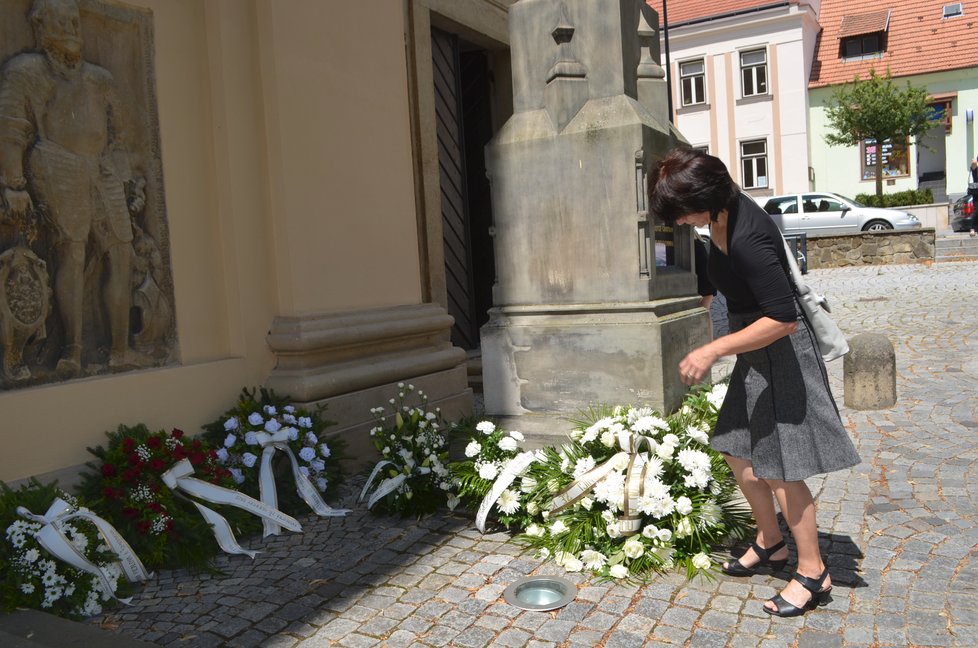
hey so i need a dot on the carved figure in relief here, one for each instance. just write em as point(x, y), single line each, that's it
point(25, 299)
point(63, 159)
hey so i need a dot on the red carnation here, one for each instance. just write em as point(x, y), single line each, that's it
point(169, 525)
point(134, 459)
point(108, 470)
point(130, 512)
point(143, 527)
point(195, 444)
point(177, 433)
point(109, 493)
point(153, 442)
point(154, 507)
point(129, 475)
point(196, 458)
point(128, 445)
point(157, 465)
point(179, 452)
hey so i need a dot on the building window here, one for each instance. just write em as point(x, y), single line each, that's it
point(866, 45)
point(753, 72)
point(691, 79)
point(753, 162)
point(894, 159)
point(953, 10)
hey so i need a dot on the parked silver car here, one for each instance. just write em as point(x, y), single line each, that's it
point(829, 213)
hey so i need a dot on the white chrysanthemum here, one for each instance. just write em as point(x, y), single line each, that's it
point(717, 394)
point(698, 434)
point(665, 451)
point(488, 470)
point(231, 424)
point(618, 571)
point(701, 561)
point(255, 419)
point(509, 501)
point(535, 530)
point(657, 507)
point(593, 559)
point(691, 459)
point(637, 413)
point(507, 444)
point(656, 488)
point(486, 427)
point(684, 528)
point(558, 527)
point(650, 424)
point(473, 449)
point(710, 514)
point(589, 435)
point(653, 468)
point(611, 490)
point(584, 465)
point(697, 479)
point(517, 435)
point(633, 548)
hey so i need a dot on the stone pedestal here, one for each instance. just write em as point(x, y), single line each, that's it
point(869, 372)
point(584, 316)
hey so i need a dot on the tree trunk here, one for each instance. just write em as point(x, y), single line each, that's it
point(879, 171)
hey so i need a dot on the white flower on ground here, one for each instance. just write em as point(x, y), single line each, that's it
point(248, 459)
point(684, 528)
point(535, 530)
point(701, 561)
point(231, 424)
point(593, 559)
point(255, 418)
point(717, 394)
point(573, 564)
point(473, 449)
point(488, 471)
point(508, 444)
point(452, 502)
point(698, 434)
point(509, 501)
point(684, 505)
point(558, 527)
point(517, 435)
point(618, 571)
point(583, 465)
point(633, 548)
point(486, 427)
point(543, 554)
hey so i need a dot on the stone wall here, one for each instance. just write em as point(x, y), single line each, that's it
point(865, 248)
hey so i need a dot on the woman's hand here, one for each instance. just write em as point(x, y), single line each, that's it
point(697, 364)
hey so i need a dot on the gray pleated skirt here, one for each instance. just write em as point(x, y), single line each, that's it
point(779, 413)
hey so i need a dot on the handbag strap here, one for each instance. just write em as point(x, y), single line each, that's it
point(793, 270)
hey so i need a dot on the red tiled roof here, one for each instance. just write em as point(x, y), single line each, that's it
point(866, 23)
point(918, 40)
point(681, 11)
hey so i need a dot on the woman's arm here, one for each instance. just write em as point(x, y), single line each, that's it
point(696, 365)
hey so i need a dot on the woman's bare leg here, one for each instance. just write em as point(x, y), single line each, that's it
point(798, 509)
point(759, 495)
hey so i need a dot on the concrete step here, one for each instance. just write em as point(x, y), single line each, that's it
point(35, 629)
point(956, 247)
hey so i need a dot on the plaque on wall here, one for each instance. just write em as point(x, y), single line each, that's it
point(85, 279)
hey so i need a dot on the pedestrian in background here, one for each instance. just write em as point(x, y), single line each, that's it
point(778, 424)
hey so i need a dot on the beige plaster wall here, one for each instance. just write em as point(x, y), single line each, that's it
point(289, 189)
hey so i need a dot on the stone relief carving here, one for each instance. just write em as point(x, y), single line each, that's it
point(82, 208)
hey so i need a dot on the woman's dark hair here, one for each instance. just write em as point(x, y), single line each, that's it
point(688, 181)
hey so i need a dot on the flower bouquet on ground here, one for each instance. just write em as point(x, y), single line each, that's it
point(264, 442)
point(634, 493)
point(33, 577)
point(134, 485)
point(496, 475)
point(412, 478)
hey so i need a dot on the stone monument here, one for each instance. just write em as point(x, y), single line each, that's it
point(592, 306)
point(83, 232)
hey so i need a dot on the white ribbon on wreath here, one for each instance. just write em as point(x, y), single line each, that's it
point(53, 539)
point(266, 481)
point(629, 443)
point(389, 485)
point(178, 478)
point(513, 469)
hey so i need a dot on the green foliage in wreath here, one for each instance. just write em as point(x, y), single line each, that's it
point(164, 529)
point(32, 578)
point(238, 450)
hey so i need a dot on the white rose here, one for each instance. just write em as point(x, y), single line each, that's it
point(558, 527)
point(532, 508)
point(608, 438)
point(634, 549)
point(508, 444)
point(665, 450)
point(517, 435)
point(608, 516)
point(664, 535)
point(613, 530)
point(473, 449)
point(650, 531)
point(255, 418)
point(535, 530)
point(248, 459)
point(587, 503)
point(701, 561)
point(684, 528)
point(231, 424)
point(618, 571)
point(573, 564)
point(684, 506)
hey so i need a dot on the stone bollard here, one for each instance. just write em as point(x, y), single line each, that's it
point(869, 372)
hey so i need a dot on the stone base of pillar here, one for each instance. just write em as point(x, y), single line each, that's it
point(542, 364)
point(352, 362)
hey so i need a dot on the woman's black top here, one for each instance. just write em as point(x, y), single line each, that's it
point(752, 274)
point(702, 258)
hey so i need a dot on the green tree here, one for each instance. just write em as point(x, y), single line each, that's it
point(876, 109)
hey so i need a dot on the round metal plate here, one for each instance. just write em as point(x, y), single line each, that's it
point(540, 593)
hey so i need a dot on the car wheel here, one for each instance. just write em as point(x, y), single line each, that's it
point(877, 226)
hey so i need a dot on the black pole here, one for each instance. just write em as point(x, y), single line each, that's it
point(665, 36)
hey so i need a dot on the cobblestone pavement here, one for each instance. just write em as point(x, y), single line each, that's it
point(900, 532)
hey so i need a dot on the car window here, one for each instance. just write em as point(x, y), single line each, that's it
point(825, 203)
point(782, 205)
